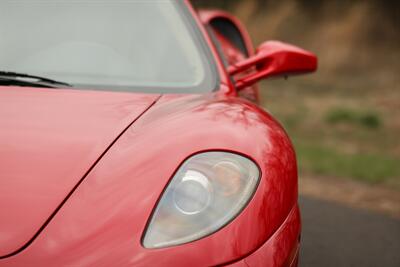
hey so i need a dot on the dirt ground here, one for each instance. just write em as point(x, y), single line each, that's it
point(352, 193)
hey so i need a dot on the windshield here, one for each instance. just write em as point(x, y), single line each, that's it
point(149, 46)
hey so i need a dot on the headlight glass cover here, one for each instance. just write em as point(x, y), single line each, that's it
point(207, 192)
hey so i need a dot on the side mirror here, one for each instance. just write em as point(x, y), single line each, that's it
point(272, 58)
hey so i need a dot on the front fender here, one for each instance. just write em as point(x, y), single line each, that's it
point(103, 221)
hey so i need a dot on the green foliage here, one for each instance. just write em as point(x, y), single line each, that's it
point(370, 120)
point(327, 161)
point(342, 115)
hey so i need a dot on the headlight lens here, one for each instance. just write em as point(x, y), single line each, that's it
point(206, 193)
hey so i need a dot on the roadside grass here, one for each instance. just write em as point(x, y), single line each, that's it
point(337, 132)
point(348, 116)
point(321, 160)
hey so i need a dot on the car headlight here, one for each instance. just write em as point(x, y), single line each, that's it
point(207, 192)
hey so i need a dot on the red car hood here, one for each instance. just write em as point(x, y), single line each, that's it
point(49, 140)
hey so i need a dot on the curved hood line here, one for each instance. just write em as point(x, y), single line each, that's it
point(78, 183)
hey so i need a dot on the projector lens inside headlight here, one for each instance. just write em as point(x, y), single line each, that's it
point(207, 192)
point(193, 194)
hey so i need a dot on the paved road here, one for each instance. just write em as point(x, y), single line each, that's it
point(335, 235)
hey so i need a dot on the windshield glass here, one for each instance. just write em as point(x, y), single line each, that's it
point(149, 46)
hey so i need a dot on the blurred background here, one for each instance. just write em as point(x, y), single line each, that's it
point(344, 120)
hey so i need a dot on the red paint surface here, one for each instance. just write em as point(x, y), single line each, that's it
point(281, 250)
point(103, 221)
point(273, 58)
point(50, 139)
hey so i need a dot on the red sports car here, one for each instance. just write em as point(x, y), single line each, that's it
point(131, 135)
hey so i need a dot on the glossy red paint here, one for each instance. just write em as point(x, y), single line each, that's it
point(282, 249)
point(48, 140)
point(103, 221)
point(102, 159)
point(273, 58)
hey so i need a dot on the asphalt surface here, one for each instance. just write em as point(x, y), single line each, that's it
point(335, 235)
